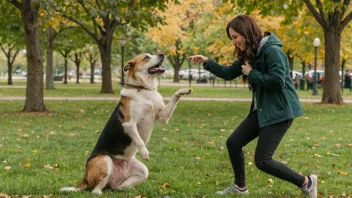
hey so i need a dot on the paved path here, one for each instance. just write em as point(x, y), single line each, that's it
point(166, 98)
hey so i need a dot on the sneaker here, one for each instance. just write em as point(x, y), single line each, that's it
point(312, 190)
point(233, 189)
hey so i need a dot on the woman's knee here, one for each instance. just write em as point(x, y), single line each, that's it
point(261, 163)
point(233, 143)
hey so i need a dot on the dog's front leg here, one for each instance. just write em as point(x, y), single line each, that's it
point(166, 113)
point(131, 129)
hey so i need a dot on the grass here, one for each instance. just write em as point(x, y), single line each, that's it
point(93, 90)
point(44, 152)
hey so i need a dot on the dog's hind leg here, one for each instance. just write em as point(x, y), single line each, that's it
point(99, 172)
point(138, 174)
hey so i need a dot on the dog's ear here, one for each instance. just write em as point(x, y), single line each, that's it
point(129, 65)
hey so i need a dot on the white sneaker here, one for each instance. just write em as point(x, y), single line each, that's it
point(312, 191)
point(233, 189)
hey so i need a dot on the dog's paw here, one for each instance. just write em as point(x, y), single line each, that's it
point(145, 153)
point(184, 92)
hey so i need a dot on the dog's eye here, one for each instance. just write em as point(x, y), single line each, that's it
point(146, 57)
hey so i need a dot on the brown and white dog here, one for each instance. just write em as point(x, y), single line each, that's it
point(112, 163)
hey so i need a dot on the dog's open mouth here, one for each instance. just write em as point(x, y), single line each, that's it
point(157, 69)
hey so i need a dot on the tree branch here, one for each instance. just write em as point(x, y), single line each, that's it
point(346, 20)
point(14, 56)
point(318, 16)
point(16, 3)
point(95, 24)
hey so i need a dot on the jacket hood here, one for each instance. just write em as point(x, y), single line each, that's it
point(271, 40)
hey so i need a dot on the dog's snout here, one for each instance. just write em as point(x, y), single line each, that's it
point(161, 55)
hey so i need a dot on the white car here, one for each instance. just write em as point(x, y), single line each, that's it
point(196, 74)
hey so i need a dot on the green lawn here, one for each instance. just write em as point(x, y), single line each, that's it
point(93, 90)
point(40, 153)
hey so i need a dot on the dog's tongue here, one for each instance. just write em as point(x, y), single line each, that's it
point(157, 70)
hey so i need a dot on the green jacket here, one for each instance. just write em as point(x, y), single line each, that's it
point(274, 91)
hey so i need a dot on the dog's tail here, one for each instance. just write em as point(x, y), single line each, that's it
point(82, 186)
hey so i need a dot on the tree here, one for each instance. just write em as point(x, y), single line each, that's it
point(53, 25)
point(332, 15)
point(99, 19)
point(11, 36)
point(174, 37)
point(34, 92)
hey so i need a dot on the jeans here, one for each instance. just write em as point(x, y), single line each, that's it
point(268, 140)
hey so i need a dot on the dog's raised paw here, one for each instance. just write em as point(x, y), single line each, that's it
point(184, 91)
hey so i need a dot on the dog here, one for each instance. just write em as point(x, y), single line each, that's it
point(112, 163)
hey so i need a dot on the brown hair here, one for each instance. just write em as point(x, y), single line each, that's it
point(247, 27)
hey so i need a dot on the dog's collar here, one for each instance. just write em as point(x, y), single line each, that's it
point(138, 87)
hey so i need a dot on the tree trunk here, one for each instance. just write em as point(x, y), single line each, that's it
point(331, 94)
point(9, 72)
point(65, 66)
point(105, 54)
point(34, 92)
point(49, 60)
point(176, 75)
point(92, 68)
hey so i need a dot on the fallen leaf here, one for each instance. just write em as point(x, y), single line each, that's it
point(71, 134)
point(222, 130)
point(18, 151)
point(197, 157)
point(337, 145)
point(7, 168)
point(221, 148)
point(97, 131)
point(165, 139)
point(250, 163)
point(342, 173)
point(211, 143)
point(34, 151)
point(27, 165)
point(138, 196)
point(48, 166)
point(47, 196)
point(52, 133)
point(315, 145)
point(349, 145)
point(199, 183)
point(4, 196)
point(165, 185)
point(317, 155)
point(271, 181)
point(177, 130)
point(333, 154)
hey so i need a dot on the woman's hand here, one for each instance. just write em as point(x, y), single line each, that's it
point(198, 59)
point(246, 68)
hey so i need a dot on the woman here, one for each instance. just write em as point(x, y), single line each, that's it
point(274, 103)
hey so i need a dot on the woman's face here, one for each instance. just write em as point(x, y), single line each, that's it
point(237, 39)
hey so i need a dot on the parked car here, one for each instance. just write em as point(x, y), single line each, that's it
point(197, 75)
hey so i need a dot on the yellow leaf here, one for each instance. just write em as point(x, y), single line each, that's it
point(271, 181)
point(349, 145)
point(211, 143)
point(342, 173)
point(165, 185)
point(34, 151)
point(48, 166)
point(317, 155)
point(27, 166)
point(222, 130)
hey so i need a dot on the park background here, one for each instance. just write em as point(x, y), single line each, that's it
point(46, 134)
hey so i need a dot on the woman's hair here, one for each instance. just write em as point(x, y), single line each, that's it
point(247, 27)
